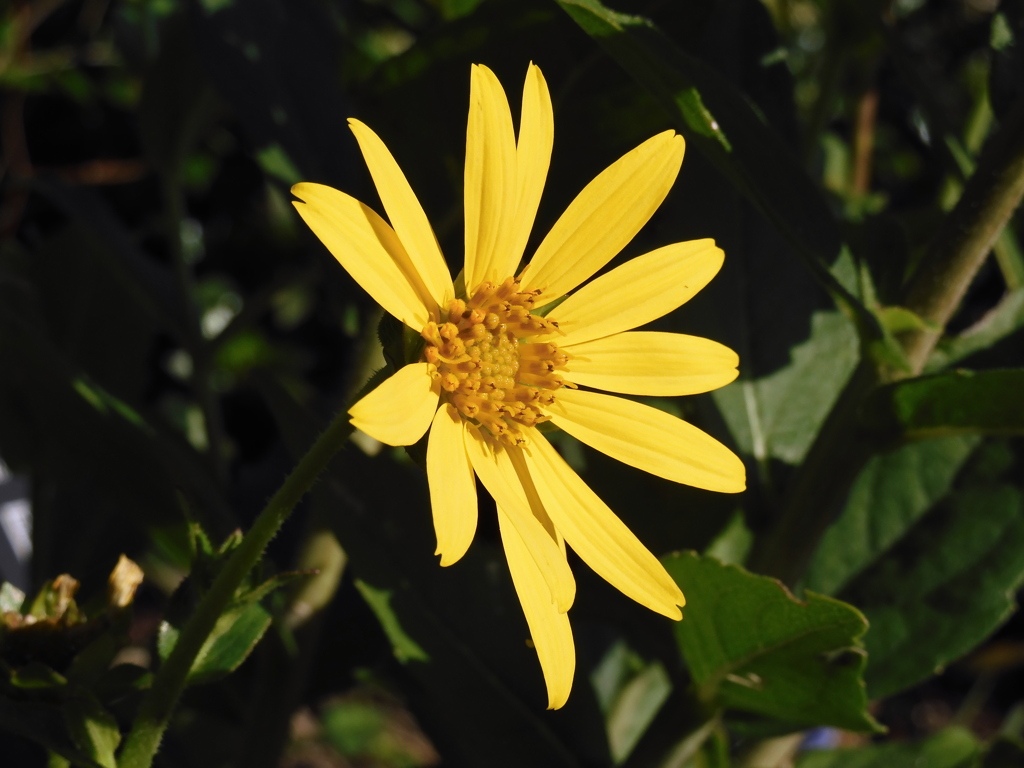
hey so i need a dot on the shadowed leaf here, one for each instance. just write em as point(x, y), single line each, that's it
point(944, 588)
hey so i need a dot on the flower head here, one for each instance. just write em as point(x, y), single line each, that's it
point(494, 367)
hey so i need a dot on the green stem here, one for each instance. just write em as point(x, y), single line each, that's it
point(966, 236)
point(158, 705)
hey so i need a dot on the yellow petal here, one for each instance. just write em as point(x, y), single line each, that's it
point(604, 217)
point(367, 248)
point(637, 292)
point(495, 470)
point(452, 486)
point(598, 536)
point(650, 363)
point(549, 627)
point(533, 156)
point(406, 214)
point(490, 179)
point(648, 439)
point(399, 411)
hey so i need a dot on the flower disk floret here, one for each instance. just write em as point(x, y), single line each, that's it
point(486, 364)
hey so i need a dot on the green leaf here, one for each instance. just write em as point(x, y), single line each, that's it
point(778, 415)
point(891, 494)
point(900, 319)
point(1003, 321)
point(233, 638)
point(44, 724)
point(944, 588)
point(951, 748)
point(635, 707)
point(356, 728)
point(37, 676)
point(953, 402)
point(750, 645)
point(379, 600)
point(631, 692)
point(732, 545)
point(275, 162)
point(712, 114)
point(11, 598)
point(93, 728)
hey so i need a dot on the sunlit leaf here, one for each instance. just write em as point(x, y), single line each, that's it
point(778, 415)
point(11, 598)
point(93, 728)
point(233, 638)
point(750, 645)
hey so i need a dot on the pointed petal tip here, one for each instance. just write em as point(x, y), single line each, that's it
point(670, 607)
point(563, 602)
point(736, 482)
point(557, 703)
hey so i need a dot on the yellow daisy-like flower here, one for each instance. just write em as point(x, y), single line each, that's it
point(493, 368)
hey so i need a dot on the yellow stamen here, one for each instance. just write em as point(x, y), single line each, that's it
point(490, 370)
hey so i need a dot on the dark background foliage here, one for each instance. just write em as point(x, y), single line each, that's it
point(172, 339)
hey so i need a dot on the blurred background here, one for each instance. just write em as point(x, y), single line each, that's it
point(172, 339)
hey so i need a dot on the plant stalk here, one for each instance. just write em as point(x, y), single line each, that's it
point(155, 711)
point(966, 237)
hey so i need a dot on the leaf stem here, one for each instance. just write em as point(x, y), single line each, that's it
point(155, 711)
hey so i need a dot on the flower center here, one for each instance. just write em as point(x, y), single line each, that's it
point(488, 367)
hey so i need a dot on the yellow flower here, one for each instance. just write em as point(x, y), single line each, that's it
point(493, 368)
